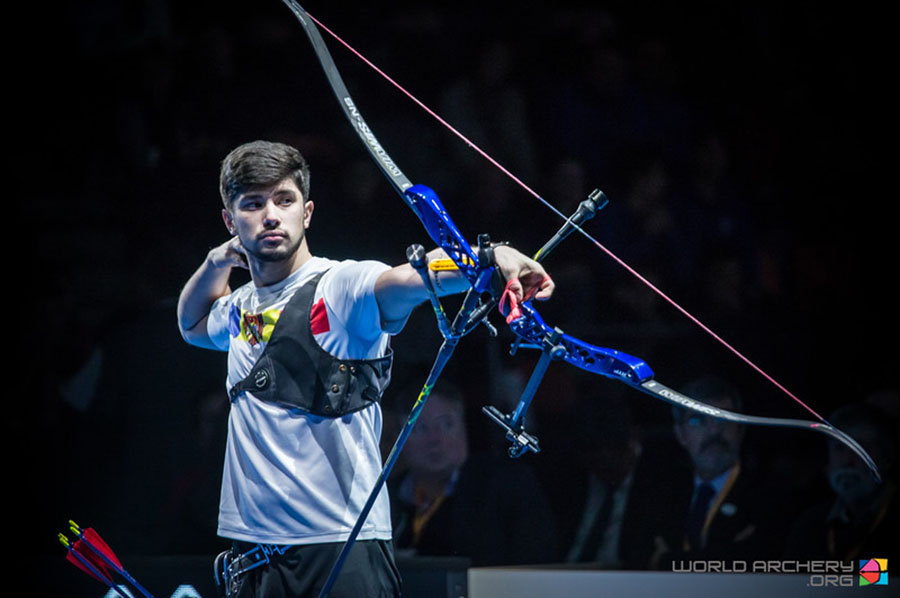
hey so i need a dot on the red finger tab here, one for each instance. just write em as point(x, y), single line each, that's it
point(509, 297)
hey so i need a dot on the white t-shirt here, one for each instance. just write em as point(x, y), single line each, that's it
point(291, 477)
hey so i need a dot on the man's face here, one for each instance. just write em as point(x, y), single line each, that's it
point(713, 445)
point(437, 444)
point(849, 477)
point(271, 222)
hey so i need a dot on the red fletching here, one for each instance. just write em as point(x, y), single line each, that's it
point(98, 543)
point(99, 566)
point(90, 547)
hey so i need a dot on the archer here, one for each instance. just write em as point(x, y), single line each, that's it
point(308, 342)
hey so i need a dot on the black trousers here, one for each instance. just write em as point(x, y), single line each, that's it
point(370, 571)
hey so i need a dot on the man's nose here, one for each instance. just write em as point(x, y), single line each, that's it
point(271, 217)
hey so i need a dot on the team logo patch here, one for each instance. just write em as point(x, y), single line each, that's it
point(257, 328)
point(253, 328)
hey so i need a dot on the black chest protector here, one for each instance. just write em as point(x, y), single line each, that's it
point(294, 371)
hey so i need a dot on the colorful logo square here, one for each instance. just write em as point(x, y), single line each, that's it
point(873, 572)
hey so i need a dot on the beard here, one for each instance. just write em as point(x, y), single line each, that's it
point(279, 253)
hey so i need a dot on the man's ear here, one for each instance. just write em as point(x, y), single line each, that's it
point(308, 208)
point(229, 221)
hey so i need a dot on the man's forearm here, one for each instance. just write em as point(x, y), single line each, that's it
point(401, 289)
point(208, 283)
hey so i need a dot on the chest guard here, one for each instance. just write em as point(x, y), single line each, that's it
point(295, 372)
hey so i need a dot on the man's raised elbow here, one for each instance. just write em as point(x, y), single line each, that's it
point(196, 335)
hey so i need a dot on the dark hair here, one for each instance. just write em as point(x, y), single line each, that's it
point(261, 164)
point(450, 393)
point(854, 417)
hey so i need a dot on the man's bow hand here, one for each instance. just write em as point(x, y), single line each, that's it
point(525, 279)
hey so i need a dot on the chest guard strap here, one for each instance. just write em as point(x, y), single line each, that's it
point(295, 372)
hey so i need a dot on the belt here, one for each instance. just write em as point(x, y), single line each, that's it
point(243, 557)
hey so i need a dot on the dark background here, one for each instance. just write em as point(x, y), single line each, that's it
point(742, 147)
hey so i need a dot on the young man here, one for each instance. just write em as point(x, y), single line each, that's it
point(308, 359)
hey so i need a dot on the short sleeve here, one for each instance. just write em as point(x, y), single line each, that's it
point(218, 324)
point(348, 293)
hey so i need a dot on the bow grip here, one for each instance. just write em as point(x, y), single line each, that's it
point(440, 227)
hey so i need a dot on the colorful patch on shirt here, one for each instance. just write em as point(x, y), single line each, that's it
point(253, 328)
point(234, 321)
point(318, 318)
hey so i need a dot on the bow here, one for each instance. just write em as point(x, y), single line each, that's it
point(476, 265)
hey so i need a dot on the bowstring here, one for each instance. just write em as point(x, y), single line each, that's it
point(584, 233)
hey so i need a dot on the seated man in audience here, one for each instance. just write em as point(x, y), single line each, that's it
point(447, 502)
point(720, 506)
point(858, 520)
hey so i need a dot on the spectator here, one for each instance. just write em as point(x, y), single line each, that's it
point(719, 506)
point(858, 519)
point(451, 503)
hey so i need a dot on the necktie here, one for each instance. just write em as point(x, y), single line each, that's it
point(697, 515)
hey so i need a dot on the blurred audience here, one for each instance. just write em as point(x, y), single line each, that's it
point(447, 502)
point(859, 518)
point(598, 485)
point(720, 506)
